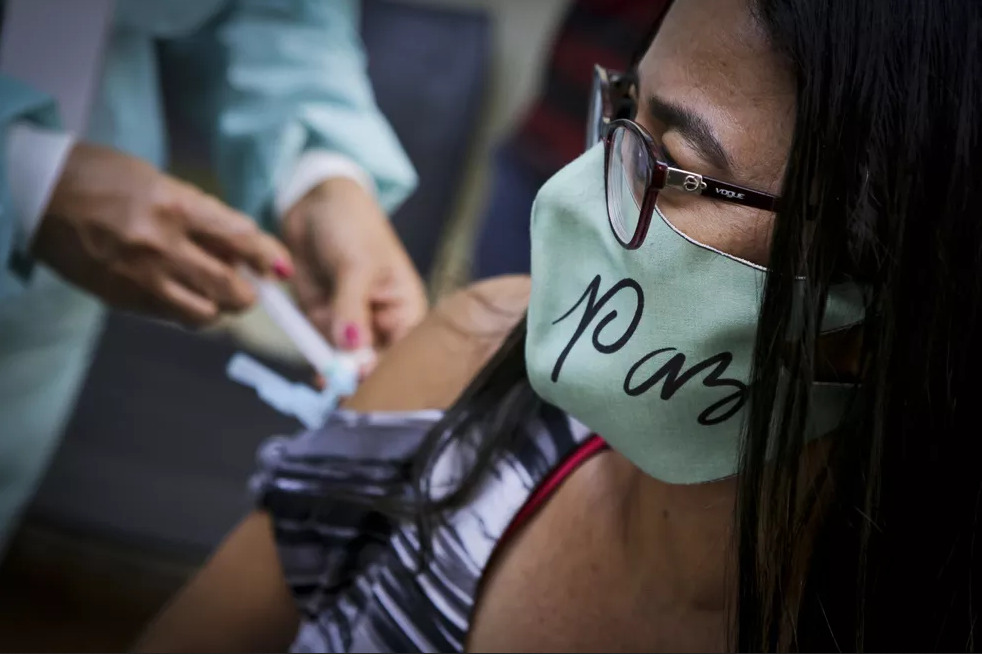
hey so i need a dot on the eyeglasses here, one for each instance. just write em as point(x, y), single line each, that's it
point(636, 169)
point(611, 97)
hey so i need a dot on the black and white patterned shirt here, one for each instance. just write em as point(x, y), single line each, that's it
point(354, 571)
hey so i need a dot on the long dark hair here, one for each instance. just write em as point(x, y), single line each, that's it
point(876, 550)
point(881, 185)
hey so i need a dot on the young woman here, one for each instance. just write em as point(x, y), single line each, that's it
point(739, 413)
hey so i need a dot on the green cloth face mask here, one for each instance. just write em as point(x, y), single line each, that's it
point(650, 348)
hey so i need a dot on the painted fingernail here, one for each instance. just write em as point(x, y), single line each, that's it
point(352, 335)
point(282, 269)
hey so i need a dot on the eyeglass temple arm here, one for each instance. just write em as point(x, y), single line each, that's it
point(696, 184)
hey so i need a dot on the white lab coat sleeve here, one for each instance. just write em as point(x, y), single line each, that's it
point(285, 79)
point(19, 104)
point(35, 159)
point(313, 167)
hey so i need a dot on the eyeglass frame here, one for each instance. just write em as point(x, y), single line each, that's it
point(663, 175)
point(610, 98)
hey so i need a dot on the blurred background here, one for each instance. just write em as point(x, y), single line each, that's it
point(153, 468)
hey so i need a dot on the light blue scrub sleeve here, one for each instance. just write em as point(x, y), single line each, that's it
point(270, 80)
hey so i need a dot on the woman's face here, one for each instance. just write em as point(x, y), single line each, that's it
point(722, 104)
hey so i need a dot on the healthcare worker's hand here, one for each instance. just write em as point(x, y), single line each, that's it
point(144, 241)
point(353, 277)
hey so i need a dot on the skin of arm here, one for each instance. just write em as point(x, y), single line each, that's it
point(238, 601)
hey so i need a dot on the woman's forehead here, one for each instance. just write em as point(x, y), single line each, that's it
point(718, 41)
point(713, 57)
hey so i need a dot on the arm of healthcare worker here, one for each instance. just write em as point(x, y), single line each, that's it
point(301, 144)
point(119, 228)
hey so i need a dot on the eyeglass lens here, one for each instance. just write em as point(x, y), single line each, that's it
point(629, 175)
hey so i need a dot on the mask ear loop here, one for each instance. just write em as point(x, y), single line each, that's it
point(853, 293)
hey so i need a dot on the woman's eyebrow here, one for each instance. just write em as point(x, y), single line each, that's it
point(693, 127)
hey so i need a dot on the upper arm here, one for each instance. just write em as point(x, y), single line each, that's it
point(431, 366)
point(239, 600)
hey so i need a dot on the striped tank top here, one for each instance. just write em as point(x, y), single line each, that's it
point(353, 571)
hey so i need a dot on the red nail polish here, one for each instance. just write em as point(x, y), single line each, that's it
point(352, 335)
point(282, 269)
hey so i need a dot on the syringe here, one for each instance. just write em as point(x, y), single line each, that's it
point(314, 348)
point(339, 369)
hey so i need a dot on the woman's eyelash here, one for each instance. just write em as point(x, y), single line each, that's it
point(664, 153)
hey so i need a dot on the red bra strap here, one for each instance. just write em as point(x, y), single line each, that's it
point(591, 446)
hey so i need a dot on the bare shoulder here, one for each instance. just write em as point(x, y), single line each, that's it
point(431, 366)
point(426, 370)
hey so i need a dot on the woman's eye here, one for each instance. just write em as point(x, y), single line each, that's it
point(661, 150)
